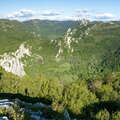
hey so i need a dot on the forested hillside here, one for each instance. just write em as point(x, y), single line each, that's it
point(69, 65)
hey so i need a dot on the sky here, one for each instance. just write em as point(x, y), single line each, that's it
point(60, 9)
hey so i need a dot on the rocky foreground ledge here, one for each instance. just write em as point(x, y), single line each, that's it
point(20, 110)
point(10, 105)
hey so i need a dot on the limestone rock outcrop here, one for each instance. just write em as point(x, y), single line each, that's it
point(12, 62)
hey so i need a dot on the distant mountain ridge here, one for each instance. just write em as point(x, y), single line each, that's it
point(50, 29)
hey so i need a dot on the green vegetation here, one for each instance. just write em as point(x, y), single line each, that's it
point(76, 97)
point(85, 81)
point(50, 29)
point(12, 113)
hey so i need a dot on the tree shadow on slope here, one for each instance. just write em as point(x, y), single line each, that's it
point(89, 112)
point(24, 98)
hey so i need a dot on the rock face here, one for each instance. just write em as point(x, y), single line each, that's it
point(35, 111)
point(4, 118)
point(12, 62)
point(6, 104)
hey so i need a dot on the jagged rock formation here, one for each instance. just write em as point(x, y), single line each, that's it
point(12, 62)
point(69, 40)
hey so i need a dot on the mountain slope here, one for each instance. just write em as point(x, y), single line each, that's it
point(12, 34)
point(80, 50)
point(49, 29)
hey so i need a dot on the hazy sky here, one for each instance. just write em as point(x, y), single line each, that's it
point(60, 9)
